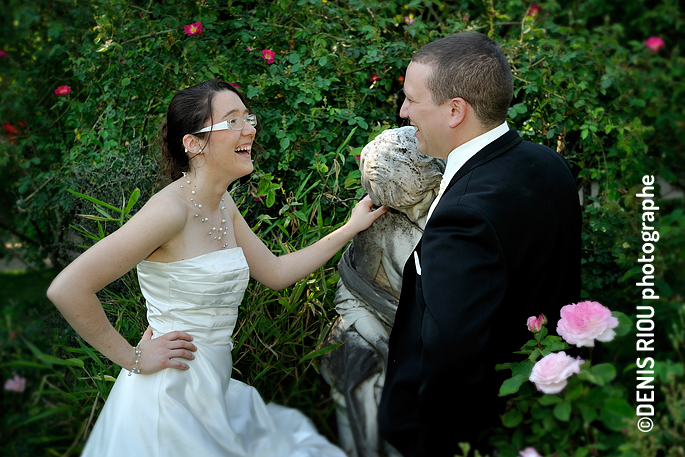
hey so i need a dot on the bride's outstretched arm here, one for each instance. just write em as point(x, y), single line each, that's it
point(74, 290)
point(278, 272)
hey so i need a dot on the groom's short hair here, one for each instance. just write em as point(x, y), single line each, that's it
point(471, 66)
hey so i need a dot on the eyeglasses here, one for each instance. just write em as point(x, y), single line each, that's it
point(234, 123)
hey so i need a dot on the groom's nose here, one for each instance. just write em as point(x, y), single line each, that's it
point(404, 111)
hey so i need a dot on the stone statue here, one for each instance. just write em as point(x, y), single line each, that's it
point(396, 174)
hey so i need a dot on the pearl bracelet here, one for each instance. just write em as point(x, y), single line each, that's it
point(136, 367)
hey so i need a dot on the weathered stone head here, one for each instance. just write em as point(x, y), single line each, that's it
point(396, 174)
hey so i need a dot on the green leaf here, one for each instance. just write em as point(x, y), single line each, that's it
point(23, 363)
point(48, 413)
point(94, 200)
point(511, 385)
point(615, 412)
point(556, 346)
point(543, 333)
point(320, 352)
point(582, 452)
point(562, 411)
point(664, 289)
point(585, 375)
point(135, 195)
point(512, 418)
point(346, 142)
point(51, 359)
point(638, 102)
point(624, 323)
point(573, 391)
point(270, 199)
point(605, 371)
point(548, 399)
point(523, 368)
point(588, 412)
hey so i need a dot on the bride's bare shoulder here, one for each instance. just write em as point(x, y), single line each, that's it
point(167, 204)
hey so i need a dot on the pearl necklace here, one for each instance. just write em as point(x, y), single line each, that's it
point(222, 230)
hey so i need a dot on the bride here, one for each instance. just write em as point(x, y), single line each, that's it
point(194, 253)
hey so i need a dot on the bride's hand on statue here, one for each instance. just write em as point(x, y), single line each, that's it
point(158, 353)
point(363, 215)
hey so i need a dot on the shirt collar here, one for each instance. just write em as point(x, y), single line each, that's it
point(461, 154)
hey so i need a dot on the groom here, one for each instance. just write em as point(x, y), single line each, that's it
point(502, 243)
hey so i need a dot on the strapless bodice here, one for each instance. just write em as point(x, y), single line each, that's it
point(200, 295)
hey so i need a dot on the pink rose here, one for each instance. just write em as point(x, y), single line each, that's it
point(15, 384)
point(3, 53)
point(409, 20)
point(268, 55)
point(550, 372)
point(654, 43)
point(533, 10)
point(582, 323)
point(9, 129)
point(193, 29)
point(375, 77)
point(63, 90)
point(529, 452)
point(234, 85)
point(533, 324)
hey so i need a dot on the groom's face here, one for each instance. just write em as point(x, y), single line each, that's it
point(429, 118)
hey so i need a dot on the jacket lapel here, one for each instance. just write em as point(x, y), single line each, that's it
point(489, 152)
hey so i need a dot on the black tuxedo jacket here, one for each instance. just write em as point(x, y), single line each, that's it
point(502, 244)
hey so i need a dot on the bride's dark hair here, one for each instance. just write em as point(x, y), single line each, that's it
point(187, 113)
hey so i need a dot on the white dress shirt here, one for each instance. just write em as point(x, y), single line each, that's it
point(459, 156)
point(455, 160)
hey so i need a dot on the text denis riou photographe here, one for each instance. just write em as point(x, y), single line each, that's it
point(644, 393)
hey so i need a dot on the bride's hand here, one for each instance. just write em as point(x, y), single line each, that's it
point(363, 215)
point(158, 353)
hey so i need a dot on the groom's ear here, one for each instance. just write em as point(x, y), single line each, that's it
point(458, 107)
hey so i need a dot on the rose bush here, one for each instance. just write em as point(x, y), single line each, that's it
point(556, 373)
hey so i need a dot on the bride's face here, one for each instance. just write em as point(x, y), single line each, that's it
point(230, 150)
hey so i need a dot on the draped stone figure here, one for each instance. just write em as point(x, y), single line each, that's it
point(394, 173)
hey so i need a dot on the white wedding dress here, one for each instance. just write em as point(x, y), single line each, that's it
point(200, 412)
